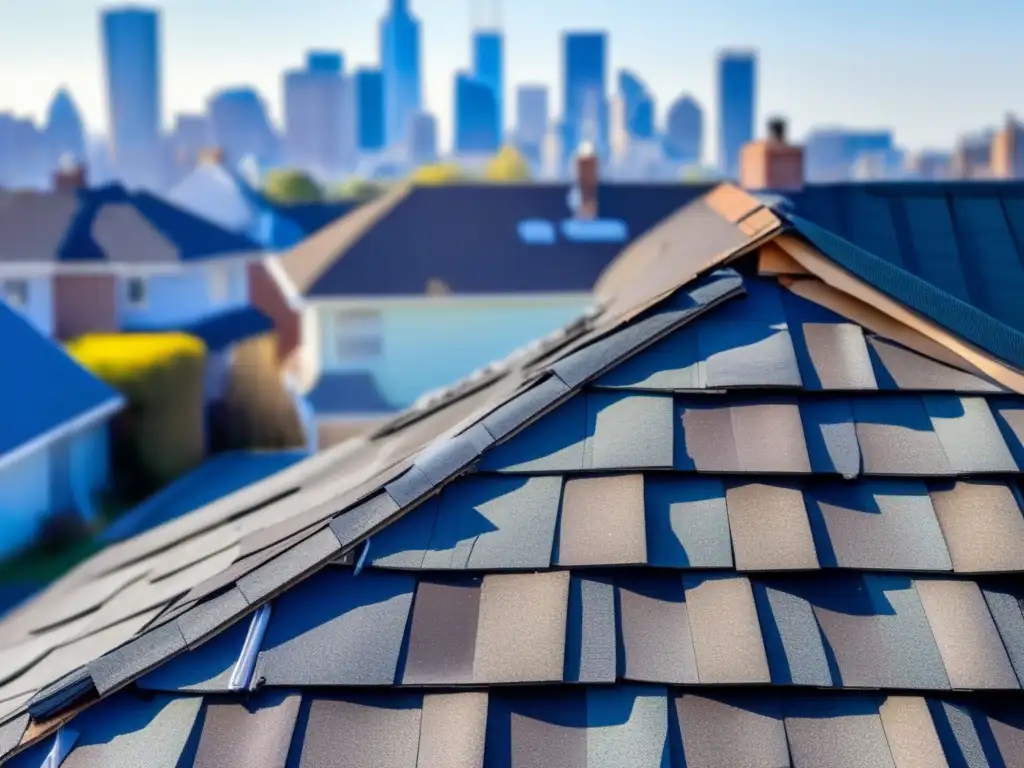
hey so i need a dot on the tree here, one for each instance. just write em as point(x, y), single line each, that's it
point(291, 186)
point(438, 173)
point(361, 190)
point(508, 165)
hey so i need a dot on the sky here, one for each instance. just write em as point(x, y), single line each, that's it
point(929, 69)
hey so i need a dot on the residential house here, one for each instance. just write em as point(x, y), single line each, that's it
point(760, 508)
point(430, 283)
point(54, 453)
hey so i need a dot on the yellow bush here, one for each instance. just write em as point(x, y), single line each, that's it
point(162, 434)
point(508, 165)
point(439, 173)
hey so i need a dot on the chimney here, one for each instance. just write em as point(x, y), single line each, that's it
point(772, 163)
point(586, 181)
point(71, 176)
point(1006, 155)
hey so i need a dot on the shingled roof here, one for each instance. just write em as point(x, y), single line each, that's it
point(753, 513)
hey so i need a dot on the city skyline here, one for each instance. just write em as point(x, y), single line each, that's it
point(973, 73)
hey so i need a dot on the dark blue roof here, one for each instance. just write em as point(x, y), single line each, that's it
point(193, 236)
point(350, 392)
point(964, 238)
point(42, 387)
point(468, 237)
point(221, 330)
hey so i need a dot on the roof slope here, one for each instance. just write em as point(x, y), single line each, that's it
point(466, 235)
point(965, 238)
point(32, 225)
point(730, 528)
point(43, 388)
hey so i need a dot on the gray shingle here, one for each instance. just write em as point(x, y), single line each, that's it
point(877, 525)
point(337, 629)
point(831, 435)
point(793, 640)
point(403, 544)
point(968, 433)
point(670, 365)
point(726, 634)
point(769, 437)
point(591, 644)
point(453, 730)
point(983, 526)
point(442, 632)
point(628, 431)
point(205, 617)
point(550, 731)
point(255, 733)
point(1007, 727)
point(657, 645)
point(839, 732)
point(911, 371)
point(740, 730)
point(207, 668)
point(144, 652)
point(90, 596)
point(301, 559)
point(627, 727)
point(959, 734)
point(746, 354)
point(523, 407)
point(910, 732)
point(968, 640)
point(521, 634)
point(602, 521)
point(687, 522)
point(838, 355)
point(554, 443)
point(704, 436)
point(489, 522)
point(11, 733)
point(357, 732)
point(1005, 607)
point(896, 437)
point(769, 526)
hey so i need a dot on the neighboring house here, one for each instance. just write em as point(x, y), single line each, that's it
point(54, 452)
point(761, 509)
point(427, 284)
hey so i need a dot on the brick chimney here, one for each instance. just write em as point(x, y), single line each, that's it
point(1006, 158)
point(772, 163)
point(587, 176)
point(70, 176)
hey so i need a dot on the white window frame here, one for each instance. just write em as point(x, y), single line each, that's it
point(16, 292)
point(218, 282)
point(131, 283)
point(358, 335)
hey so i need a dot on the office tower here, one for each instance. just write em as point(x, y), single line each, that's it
point(830, 153)
point(240, 126)
point(320, 120)
point(684, 132)
point(585, 89)
point(737, 103)
point(553, 153)
point(1007, 151)
point(488, 69)
point(190, 137)
point(400, 66)
point(637, 104)
point(531, 114)
point(131, 41)
point(23, 154)
point(423, 139)
point(475, 109)
point(64, 133)
point(369, 86)
point(618, 128)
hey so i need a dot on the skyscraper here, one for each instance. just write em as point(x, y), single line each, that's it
point(369, 84)
point(423, 139)
point(400, 66)
point(474, 117)
point(64, 132)
point(488, 69)
point(585, 107)
point(241, 127)
point(737, 104)
point(319, 111)
point(638, 105)
point(531, 114)
point(131, 41)
point(684, 131)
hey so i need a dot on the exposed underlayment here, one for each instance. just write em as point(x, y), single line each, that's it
point(727, 524)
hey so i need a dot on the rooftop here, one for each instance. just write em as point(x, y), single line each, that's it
point(756, 511)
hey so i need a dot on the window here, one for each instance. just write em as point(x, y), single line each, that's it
point(15, 292)
point(357, 335)
point(137, 291)
point(219, 282)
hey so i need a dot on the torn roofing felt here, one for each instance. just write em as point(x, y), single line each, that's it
point(643, 543)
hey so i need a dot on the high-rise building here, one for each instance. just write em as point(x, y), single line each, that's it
point(488, 69)
point(585, 109)
point(684, 131)
point(474, 118)
point(400, 66)
point(618, 128)
point(64, 132)
point(320, 120)
point(553, 153)
point(737, 105)
point(531, 114)
point(190, 137)
point(1007, 151)
point(830, 153)
point(240, 126)
point(131, 41)
point(369, 85)
point(423, 139)
point(23, 154)
point(637, 105)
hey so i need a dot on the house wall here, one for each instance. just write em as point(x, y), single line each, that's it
point(38, 308)
point(84, 304)
point(183, 296)
point(432, 342)
point(67, 473)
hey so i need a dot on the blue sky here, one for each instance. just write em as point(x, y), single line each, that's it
point(928, 68)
